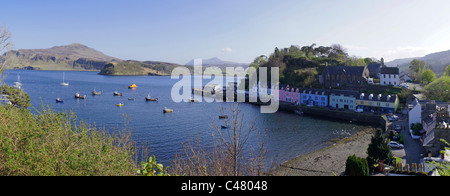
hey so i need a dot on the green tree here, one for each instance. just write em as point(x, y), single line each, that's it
point(16, 96)
point(439, 89)
point(428, 76)
point(447, 71)
point(378, 150)
point(416, 69)
point(356, 166)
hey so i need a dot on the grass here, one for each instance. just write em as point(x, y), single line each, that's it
point(55, 144)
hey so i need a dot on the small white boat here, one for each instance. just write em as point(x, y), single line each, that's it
point(18, 84)
point(64, 83)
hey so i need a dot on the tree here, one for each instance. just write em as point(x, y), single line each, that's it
point(439, 89)
point(378, 150)
point(356, 166)
point(447, 71)
point(428, 76)
point(5, 42)
point(416, 69)
point(16, 96)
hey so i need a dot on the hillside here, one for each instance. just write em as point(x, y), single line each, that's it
point(137, 68)
point(70, 57)
point(438, 61)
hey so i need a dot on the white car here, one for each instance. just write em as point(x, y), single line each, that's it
point(396, 145)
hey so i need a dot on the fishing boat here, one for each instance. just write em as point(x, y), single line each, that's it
point(78, 96)
point(133, 86)
point(64, 83)
point(149, 98)
point(167, 110)
point(58, 100)
point(120, 105)
point(224, 127)
point(117, 94)
point(96, 93)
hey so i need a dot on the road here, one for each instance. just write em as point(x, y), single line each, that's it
point(413, 151)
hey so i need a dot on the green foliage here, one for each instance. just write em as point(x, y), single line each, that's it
point(152, 168)
point(428, 76)
point(16, 96)
point(416, 69)
point(447, 71)
point(443, 168)
point(439, 89)
point(416, 128)
point(356, 166)
point(378, 150)
point(55, 144)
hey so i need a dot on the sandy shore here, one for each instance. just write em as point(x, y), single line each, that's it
point(329, 161)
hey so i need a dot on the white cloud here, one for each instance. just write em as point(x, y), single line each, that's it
point(227, 50)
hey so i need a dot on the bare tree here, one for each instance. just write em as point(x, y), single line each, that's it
point(5, 43)
point(229, 155)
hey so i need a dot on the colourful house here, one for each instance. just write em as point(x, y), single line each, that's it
point(378, 103)
point(288, 94)
point(343, 99)
point(313, 97)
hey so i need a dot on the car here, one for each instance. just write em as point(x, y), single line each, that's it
point(397, 127)
point(396, 145)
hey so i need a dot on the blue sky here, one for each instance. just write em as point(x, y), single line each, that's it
point(235, 30)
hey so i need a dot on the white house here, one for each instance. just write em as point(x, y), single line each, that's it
point(390, 76)
point(415, 112)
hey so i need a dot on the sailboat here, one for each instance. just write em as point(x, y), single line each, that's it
point(64, 83)
point(18, 84)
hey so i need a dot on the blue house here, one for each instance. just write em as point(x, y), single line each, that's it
point(313, 97)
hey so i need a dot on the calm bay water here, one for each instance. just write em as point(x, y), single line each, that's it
point(288, 135)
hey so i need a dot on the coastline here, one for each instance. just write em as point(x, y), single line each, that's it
point(329, 161)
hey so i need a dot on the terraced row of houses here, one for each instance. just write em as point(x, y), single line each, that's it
point(339, 99)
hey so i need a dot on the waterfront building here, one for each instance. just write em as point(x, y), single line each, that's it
point(343, 99)
point(288, 94)
point(335, 76)
point(378, 103)
point(314, 97)
point(390, 76)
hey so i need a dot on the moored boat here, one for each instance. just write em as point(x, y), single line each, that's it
point(223, 117)
point(167, 110)
point(193, 100)
point(78, 96)
point(132, 86)
point(117, 93)
point(149, 98)
point(58, 100)
point(96, 93)
point(120, 105)
point(64, 83)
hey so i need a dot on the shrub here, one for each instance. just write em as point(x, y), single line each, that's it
point(356, 166)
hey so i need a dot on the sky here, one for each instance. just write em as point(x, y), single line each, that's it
point(178, 31)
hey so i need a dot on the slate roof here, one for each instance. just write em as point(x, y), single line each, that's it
point(375, 97)
point(346, 93)
point(353, 70)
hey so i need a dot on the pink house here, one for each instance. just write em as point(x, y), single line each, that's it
point(288, 94)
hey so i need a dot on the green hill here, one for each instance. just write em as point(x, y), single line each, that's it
point(138, 68)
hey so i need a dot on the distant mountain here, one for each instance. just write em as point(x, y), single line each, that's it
point(438, 61)
point(217, 62)
point(70, 57)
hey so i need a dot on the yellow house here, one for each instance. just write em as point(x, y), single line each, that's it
point(378, 103)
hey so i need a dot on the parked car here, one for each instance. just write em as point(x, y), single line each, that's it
point(396, 145)
point(398, 127)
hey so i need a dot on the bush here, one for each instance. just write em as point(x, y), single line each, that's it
point(55, 144)
point(356, 166)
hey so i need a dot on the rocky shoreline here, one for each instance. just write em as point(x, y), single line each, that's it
point(329, 161)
